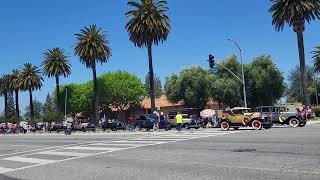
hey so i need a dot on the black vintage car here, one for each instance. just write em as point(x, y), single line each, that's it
point(281, 115)
point(146, 121)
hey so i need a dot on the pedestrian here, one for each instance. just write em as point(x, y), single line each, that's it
point(179, 121)
point(156, 121)
point(162, 121)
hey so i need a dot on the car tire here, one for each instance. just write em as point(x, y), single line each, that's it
point(256, 125)
point(293, 122)
point(225, 126)
point(137, 128)
point(236, 128)
point(302, 124)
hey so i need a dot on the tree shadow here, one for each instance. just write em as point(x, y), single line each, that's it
point(4, 177)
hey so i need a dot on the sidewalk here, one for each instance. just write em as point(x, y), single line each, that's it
point(314, 121)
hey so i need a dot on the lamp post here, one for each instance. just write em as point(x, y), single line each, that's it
point(243, 82)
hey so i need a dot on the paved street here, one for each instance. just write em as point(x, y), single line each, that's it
point(278, 153)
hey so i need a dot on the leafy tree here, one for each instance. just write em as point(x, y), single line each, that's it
point(56, 64)
point(191, 87)
point(48, 105)
point(294, 92)
point(316, 58)
point(147, 25)
point(37, 111)
point(11, 112)
point(52, 116)
point(93, 47)
point(296, 13)
point(31, 80)
point(16, 87)
point(265, 82)
point(5, 89)
point(231, 63)
point(123, 89)
point(157, 86)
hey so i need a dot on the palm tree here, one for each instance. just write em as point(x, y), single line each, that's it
point(30, 80)
point(15, 86)
point(93, 47)
point(148, 24)
point(56, 64)
point(296, 13)
point(316, 57)
point(4, 90)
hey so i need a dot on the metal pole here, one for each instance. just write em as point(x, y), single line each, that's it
point(242, 69)
point(65, 103)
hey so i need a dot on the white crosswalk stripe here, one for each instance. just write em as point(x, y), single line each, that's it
point(101, 147)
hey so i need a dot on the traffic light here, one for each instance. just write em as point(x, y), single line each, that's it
point(211, 61)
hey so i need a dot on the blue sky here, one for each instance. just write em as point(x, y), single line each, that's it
point(198, 28)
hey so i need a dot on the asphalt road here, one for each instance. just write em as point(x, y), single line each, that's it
point(206, 154)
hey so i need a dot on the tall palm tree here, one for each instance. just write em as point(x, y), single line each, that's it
point(30, 80)
point(16, 86)
point(296, 13)
point(93, 47)
point(56, 64)
point(316, 57)
point(5, 89)
point(148, 24)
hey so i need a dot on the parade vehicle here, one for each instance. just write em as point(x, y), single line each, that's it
point(146, 121)
point(83, 124)
point(242, 117)
point(190, 118)
point(281, 115)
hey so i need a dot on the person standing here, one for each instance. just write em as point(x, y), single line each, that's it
point(179, 121)
point(162, 121)
point(156, 121)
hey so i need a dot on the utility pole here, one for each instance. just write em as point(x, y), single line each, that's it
point(242, 69)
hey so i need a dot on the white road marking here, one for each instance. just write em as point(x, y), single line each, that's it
point(29, 160)
point(3, 170)
point(92, 148)
point(62, 153)
point(114, 144)
point(139, 142)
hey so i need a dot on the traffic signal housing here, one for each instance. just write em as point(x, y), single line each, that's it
point(211, 61)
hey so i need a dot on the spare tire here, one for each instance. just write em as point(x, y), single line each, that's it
point(283, 118)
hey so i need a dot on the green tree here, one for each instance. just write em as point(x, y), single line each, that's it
point(296, 13)
point(191, 87)
point(231, 63)
point(294, 92)
point(157, 86)
point(147, 25)
point(265, 82)
point(123, 89)
point(11, 112)
point(93, 47)
point(31, 80)
point(52, 116)
point(316, 58)
point(48, 105)
point(5, 89)
point(56, 64)
point(16, 87)
point(37, 111)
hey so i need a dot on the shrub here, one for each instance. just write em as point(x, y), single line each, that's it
point(316, 110)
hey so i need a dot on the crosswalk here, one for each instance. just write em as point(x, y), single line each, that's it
point(65, 153)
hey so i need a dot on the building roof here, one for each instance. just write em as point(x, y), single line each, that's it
point(160, 102)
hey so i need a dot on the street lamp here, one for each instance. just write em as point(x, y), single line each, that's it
point(243, 82)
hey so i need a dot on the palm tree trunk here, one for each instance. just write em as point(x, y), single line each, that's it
point(57, 93)
point(31, 105)
point(152, 96)
point(17, 104)
point(6, 105)
point(95, 90)
point(304, 79)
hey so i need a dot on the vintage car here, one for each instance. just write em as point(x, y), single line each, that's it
point(242, 117)
point(189, 118)
point(83, 124)
point(280, 115)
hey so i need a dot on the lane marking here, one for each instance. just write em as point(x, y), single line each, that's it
point(29, 160)
point(64, 153)
point(140, 142)
point(113, 144)
point(3, 170)
point(92, 148)
point(100, 153)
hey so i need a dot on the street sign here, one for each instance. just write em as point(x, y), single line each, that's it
point(215, 69)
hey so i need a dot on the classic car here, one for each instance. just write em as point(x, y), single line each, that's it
point(280, 115)
point(189, 118)
point(242, 117)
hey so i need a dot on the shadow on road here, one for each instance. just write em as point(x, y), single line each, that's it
point(4, 177)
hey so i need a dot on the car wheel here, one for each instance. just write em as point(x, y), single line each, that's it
point(225, 126)
point(137, 128)
point(256, 125)
point(294, 122)
point(236, 128)
point(302, 124)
